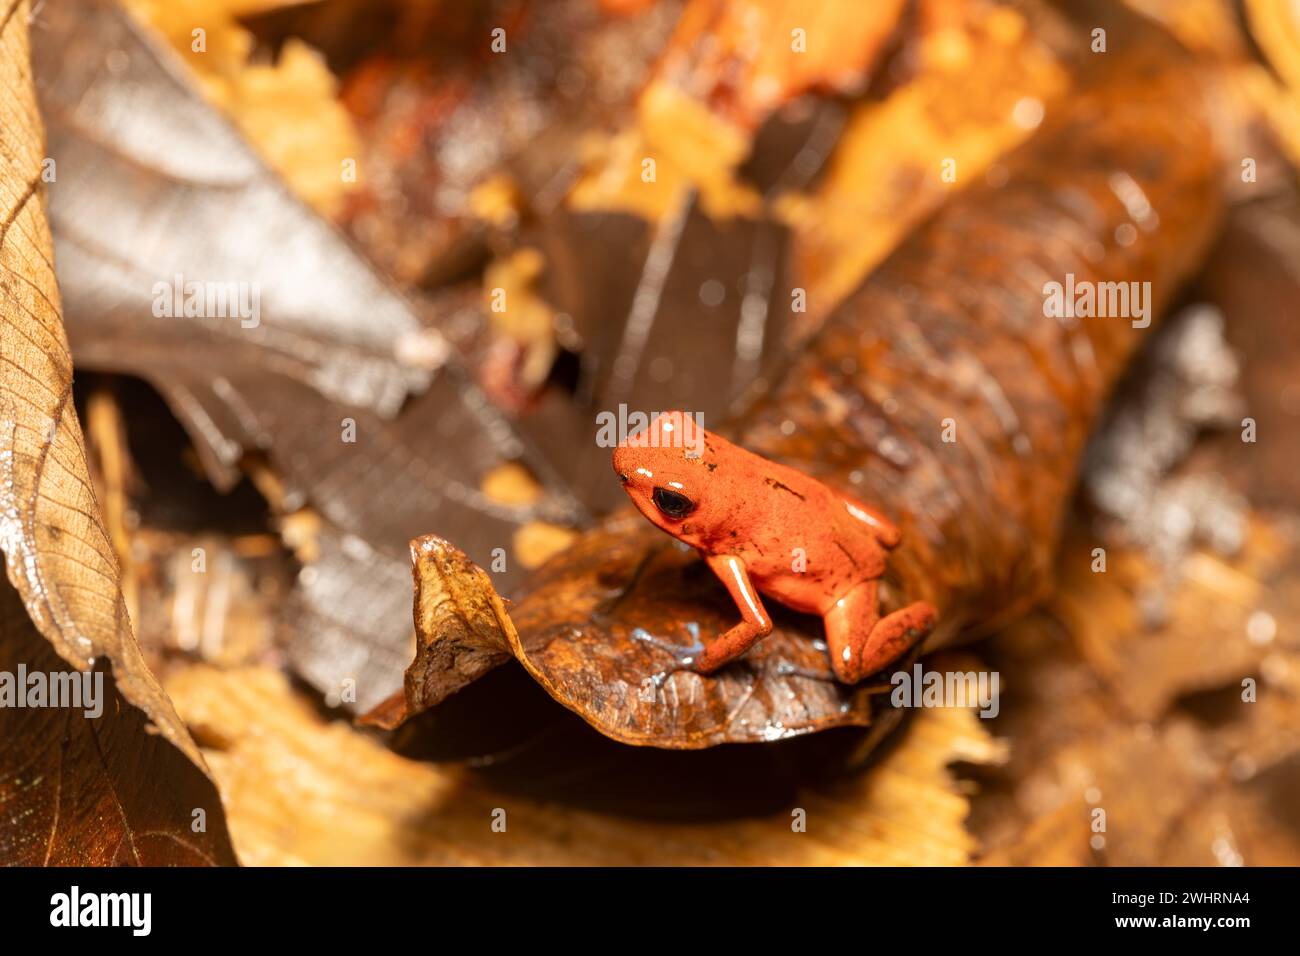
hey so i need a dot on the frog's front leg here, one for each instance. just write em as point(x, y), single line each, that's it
point(754, 619)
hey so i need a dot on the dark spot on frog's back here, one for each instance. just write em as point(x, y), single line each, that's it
point(711, 465)
point(783, 487)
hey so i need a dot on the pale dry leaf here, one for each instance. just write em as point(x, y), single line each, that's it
point(57, 554)
point(1275, 27)
point(351, 801)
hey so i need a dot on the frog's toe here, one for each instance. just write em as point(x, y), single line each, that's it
point(685, 655)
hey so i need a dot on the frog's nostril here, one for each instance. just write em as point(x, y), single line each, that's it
point(622, 477)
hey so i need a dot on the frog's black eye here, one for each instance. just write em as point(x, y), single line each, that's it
point(672, 504)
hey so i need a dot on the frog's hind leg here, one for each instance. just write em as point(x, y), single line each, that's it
point(861, 642)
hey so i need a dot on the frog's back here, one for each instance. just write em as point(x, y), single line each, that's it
point(797, 535)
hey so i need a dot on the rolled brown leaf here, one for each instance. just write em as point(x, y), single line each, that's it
point(946, 392)
point(1119, 189)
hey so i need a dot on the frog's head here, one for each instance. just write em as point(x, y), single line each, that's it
point(664, 471)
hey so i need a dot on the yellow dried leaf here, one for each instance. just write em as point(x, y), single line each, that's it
point(983, 87)
point(521, 319)
point(511, 484)
point(1275, 26)
point(350, 801)
point(496, 200)
point(729, 64)
point(537, 542)
point(289, 110)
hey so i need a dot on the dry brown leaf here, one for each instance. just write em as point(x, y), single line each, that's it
point(350, 801)
point(1181, 729)
point(58, 556)
point(1205, 642)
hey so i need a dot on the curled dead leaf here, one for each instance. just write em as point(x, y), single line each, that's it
point(599, 664)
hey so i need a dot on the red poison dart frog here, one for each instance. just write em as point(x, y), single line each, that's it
point(765, 528)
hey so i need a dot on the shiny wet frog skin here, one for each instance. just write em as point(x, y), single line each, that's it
point(768, 530)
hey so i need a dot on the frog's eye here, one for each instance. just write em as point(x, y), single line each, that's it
point(672, 504)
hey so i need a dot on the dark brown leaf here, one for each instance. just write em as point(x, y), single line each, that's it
point(142, 198)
